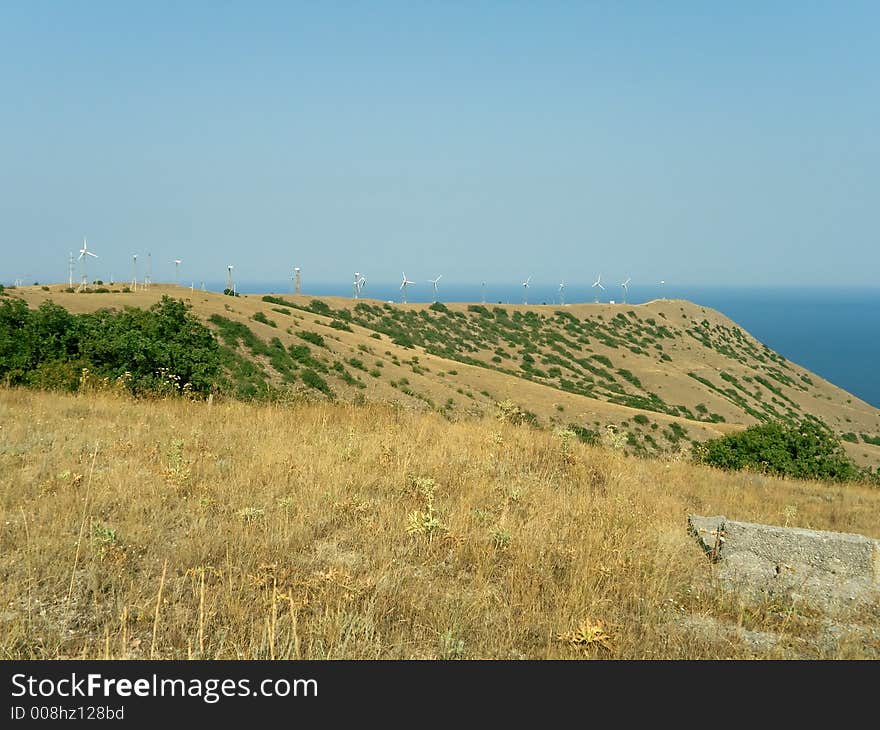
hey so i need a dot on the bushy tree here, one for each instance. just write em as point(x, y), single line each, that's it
point(164, 346)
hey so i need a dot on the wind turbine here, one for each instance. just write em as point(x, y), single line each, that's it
point(356, 287)
point(484, 292)
point(84, 253)
point(361, 283)
point(434, 282)
point(148, 277)
point(70, 271)
point(404, 285)
point(296, 286)
point(526, 290)
point(625, 286)
point(662, 284)
point(177, 263)
point(562, 292)
point(134, 272)
point(229, 285)
point(598, 283)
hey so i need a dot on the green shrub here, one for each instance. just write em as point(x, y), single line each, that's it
point(154, 349)
point(807, 450)
point(312, 337)
point(313, 380)
point(260, 317)
point(588, 436)
point(338, 324)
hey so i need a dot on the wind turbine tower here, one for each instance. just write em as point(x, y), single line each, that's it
point(229, 284)
point(625, 286)
point(598, 285)
point(84, 254)
point(484, 292)
point(296, 287)
point(562, 292)
point(434, 282)
point(70, 271)
point(148, 277)
point(134, 272)
point(177, 263)
point(526, 290)
point(355, 287)
point(404, 285)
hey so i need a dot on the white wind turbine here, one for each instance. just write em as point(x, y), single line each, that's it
point(598, 283)
point(625, 286)
point(484, 292)
point(525, 285)
point(662, 284)
point(359, 281)
point(434, 282)
point(406, 282)
point(229, 284)
point(134, 272)
point(562, 292)
point(84, 253)
point(177, 263)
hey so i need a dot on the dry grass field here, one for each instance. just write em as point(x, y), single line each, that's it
point(175, 529)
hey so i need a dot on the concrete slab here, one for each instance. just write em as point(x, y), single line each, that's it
point(832, 570)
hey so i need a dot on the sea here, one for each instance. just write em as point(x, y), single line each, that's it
point(832, 331)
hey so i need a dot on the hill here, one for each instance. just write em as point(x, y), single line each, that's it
point(661, 374)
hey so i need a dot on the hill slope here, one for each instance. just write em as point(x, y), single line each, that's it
point(661, 373)
point(322, 530)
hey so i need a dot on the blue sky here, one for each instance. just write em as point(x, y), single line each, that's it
point(702, 143)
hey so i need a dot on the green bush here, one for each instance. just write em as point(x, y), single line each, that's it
point(312, 337)
point(807, 450)
point(313, 380)
point(587, 435)
point(262, 318)
point(154, 349)
point(338, 324)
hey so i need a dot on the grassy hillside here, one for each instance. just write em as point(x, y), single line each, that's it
point(662, 374)
point(176, 528)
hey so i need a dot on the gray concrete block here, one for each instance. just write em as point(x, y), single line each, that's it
point(832, 570)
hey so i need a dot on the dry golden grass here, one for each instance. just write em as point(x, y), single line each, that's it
point(170, 529)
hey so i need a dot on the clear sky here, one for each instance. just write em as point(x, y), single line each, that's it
point(697, 142)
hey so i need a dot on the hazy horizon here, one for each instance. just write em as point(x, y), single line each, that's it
point(714, 145)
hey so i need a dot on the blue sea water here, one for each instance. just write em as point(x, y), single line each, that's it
point(832, 331)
